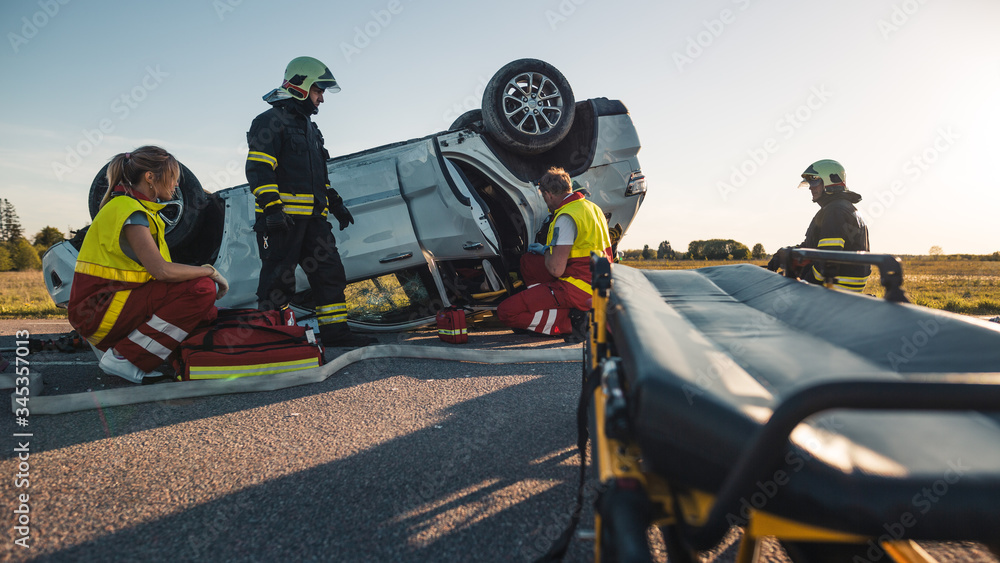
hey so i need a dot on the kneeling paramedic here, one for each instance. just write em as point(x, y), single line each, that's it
point(128, 299)
point(556, 273)
point(286, 169)
point(836, 226)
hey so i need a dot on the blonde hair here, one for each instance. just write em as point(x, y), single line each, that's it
point(127, 168)
point(556, 181)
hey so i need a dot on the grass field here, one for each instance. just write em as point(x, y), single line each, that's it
point(23, 296)
point(971, 287)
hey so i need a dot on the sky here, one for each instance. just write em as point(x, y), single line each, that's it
point(732, 99)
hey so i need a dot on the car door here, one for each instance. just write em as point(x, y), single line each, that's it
point(449, 221)
point(382, 239)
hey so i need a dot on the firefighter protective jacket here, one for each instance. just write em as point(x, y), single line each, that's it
point(839, 226)
point(286, 164)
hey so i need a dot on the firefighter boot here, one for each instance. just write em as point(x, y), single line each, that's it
point(338, 335)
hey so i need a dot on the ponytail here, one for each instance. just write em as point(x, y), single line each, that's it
point(127, 169)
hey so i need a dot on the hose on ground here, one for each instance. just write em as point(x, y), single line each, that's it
point(59, 404)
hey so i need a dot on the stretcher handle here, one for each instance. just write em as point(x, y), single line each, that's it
point(767, 447)
point(890, 269)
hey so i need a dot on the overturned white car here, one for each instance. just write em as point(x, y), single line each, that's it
point(440, 220)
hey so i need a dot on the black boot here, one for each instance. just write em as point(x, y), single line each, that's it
point(580, 321)
point(340, 336)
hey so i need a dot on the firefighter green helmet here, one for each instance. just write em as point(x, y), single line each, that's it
point(829, 172)
point(304, 72)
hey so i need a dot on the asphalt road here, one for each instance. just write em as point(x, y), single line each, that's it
point(409, 460)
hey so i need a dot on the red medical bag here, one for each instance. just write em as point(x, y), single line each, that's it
point(245, 342)
point(451, 325)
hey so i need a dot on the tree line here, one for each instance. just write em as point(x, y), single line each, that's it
point(713, 249)
point(16, 252)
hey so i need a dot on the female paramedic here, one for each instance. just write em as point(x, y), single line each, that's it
point(128, 299)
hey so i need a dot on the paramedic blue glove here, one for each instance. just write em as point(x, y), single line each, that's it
point(277, 220)
point(537, 248)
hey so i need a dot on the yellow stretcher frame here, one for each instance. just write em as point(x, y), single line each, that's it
point(618, 462)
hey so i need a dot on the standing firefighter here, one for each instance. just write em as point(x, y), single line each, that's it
point(836, 226)
point(286, 169)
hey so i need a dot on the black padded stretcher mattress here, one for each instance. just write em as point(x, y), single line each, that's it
point(709, 353)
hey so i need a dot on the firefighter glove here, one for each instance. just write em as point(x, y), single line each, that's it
point(343, 214)
point(277, 220)
point(776, 260)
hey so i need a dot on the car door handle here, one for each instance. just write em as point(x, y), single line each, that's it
point(473, 246)
point(396, 257)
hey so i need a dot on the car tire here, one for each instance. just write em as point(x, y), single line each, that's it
point(466, 119)
point(180, 215)
point(528, 106)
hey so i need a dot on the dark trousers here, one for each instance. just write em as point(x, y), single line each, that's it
point(308, 243)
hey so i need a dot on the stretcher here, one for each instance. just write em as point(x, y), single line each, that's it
point(844, 425)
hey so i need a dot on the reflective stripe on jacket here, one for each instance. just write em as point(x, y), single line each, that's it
point(839, 226)
point(286, 162)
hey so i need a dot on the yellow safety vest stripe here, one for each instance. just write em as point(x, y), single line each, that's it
point(582, 285)
point(113, 274)
point(110, 317)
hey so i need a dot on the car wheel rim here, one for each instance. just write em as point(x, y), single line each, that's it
point(532, 103)
point(172, 211)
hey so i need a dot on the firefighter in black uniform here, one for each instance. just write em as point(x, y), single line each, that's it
point(836, 226)
point(286, 169)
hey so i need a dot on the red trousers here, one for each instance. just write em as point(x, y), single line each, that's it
point(545, 305)
point(157, 316)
